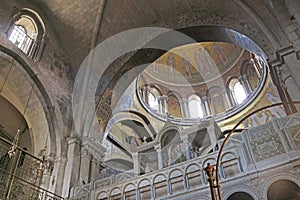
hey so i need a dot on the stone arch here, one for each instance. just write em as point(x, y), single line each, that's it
point(283, 189)
point(281, 176)
point(102, 196)
point(257, 31)
point(166, 129)
point(143, 180)
point(116, 191)
point(176, 179)
point(129, 190)
point(230, 164)
point(121, 116)
point(193, 175)
point(196, 33)
point(40, 100)
point(160, 186)
point(144, 188)
point(239, 189)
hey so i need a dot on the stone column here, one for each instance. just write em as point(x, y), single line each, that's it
point(186, 109)
point(48, 169)
point(169, 187)
point(206, 105)
point(160, 105)
point(95, 167)
point(257, 66)
point(159, 156)
point(186, 182)
point(186, 144)
point(85, 166)
point(211, 106)
point(91, 158)
point(136, 163)
point(72, 166)
point(165, 100)
point(247, 84)
point(147, 90)
point(57, 178)
point(232, 97)
point(182, 109)
point(152, 189)
point(228, 100)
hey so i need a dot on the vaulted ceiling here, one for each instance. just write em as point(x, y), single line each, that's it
point(75, 22)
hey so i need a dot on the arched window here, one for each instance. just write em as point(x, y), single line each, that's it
point(239, 92)
point(18, 36)
point(195, 107)
point(153, 94)
point(153, 101)
point(27, 32)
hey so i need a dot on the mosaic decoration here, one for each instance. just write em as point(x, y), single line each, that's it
point(194, 62)
point(269, 97)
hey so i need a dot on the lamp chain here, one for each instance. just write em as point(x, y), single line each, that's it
point(15, 142)
point(12, 63)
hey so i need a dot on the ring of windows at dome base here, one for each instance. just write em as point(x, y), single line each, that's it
point(241, 83)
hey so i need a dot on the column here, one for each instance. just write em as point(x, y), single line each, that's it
point(95, 167)
point(211, 106)
point(256, 66)
point(48, 169)
point(228, 100)
point(206, 105)
point(182, 109)
point(165, 100)
point(73, 166)
point(186, 182)
point(186, 144)
point(85, 162)
point(136, 163)
point(169, 187)
point(247, 84)
point(159, 156)
point(232, 97)
point(186, 109)
point(152, 191)
point(160, 105)
point(143, 93)
point(147, 95)
point(137, 194)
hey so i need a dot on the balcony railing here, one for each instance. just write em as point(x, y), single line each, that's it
point(271, 146)
point(21, 175)
point(168, 182)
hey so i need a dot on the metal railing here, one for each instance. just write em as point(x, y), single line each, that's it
point(21, 175)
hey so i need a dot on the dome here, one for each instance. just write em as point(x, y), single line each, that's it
point(201, 80)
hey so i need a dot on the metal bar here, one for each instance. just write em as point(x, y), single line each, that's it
point(19, 148)
point(34, 186)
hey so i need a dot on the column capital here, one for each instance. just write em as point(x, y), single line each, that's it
point(74, 139)
point(90, 147)
point(157, 147)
